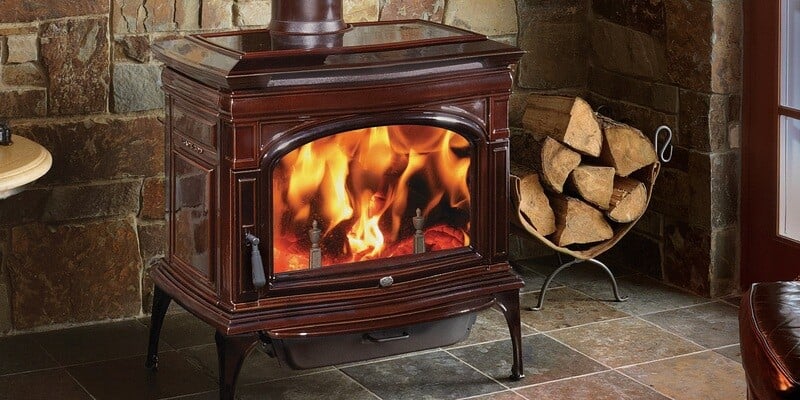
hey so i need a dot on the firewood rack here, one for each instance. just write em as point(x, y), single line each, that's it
point(566, 265)
point(664, 153)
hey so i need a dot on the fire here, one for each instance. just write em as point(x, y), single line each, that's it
point(363, 186)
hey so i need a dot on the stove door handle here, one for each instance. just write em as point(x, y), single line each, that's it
point(257, 266)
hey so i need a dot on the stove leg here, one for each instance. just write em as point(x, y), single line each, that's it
point(161, 302)
point(231, 352)
point(508, 303)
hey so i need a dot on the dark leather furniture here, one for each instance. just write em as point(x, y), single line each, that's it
point(769, 329)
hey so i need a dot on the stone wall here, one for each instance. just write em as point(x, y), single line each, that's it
point(678, 63)
point(555, 36)
point(78, 77)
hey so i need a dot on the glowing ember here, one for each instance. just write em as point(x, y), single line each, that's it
point(363, 187)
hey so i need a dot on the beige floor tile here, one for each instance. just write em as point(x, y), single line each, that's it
point(564, 308)
point(706, 375)
point(624, 342)
point(603, 386)
point(490, 325)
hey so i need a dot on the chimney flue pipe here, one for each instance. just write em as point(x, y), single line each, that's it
point(307, 17)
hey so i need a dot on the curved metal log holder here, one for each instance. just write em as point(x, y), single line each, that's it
point(664, 151)
point(565, 265)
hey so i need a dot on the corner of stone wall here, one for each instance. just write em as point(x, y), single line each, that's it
point(677, 63)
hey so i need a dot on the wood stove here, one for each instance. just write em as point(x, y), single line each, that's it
point(337, 192)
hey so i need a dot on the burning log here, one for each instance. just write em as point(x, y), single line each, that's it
point(570, 120)
point(608, 188)
point(438, 237)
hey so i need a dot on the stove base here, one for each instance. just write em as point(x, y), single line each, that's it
point(300, 353)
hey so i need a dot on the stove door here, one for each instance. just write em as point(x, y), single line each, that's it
point(370, 194)
point(345, 204)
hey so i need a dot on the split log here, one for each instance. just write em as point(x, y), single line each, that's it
point(629, 200)
point(554, 162)
point(594, 184)
point(578, 222)
point(625, 148)
point(534, 205)
point(570, 120)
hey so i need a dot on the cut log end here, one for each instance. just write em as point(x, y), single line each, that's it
point(570, 120)
point(625, 148)
point(578, 222)
point(583, 132)
point(557, 162)
point(629, 200)
point(595, 184)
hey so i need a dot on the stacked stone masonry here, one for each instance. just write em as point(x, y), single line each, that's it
point(79, 78)
point(678, 63)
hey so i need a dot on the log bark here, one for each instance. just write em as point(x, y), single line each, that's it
point(625, 148)
point(570, 120)
point(595, 184)
point(535, 206)
point(629, 200)
point(578, 222)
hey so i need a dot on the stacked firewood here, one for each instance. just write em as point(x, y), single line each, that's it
point(581, 180)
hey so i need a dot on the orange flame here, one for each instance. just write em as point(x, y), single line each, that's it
point(362, 186)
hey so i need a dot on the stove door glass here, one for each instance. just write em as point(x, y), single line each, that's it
point(371, 193)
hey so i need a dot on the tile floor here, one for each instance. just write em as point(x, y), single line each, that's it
point(663, 343)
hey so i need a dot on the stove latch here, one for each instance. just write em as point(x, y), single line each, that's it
point(259, 278)
point(386, 281)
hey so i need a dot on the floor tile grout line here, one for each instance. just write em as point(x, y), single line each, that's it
point(586, 324)
point(676, 334)
point(184, 396)
point(358, 383)
point(32, 371)
point(566, 378)
point(622, 368)
point(479, 371)
point(703, 348)
point(738, 344)
point(604, 301)
point(616, 369)
point(478, 396)
point(704, 303)
point(93, 362)
point(643, 384)
point(463, 346)
point(74, 379)
point(520, 394)
point(608, 367)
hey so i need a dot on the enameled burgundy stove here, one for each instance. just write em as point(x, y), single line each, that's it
point(337, 192)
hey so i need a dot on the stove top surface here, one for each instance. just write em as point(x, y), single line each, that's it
point(363, 37)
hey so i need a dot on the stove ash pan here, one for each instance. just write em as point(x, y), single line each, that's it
point(304, 353)
point(395, 254)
